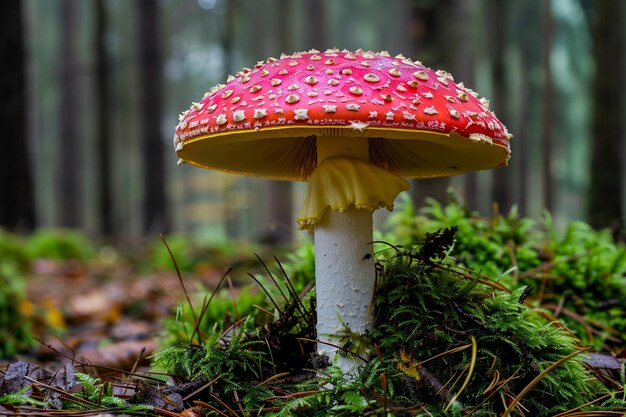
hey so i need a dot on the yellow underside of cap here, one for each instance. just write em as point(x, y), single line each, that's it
point(289, 152)
point(343, 183)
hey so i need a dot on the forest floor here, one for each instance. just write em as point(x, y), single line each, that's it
point(109, 316)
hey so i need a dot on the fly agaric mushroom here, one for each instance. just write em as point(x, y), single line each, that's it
point(354, 125)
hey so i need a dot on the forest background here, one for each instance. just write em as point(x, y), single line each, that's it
point(91, 91)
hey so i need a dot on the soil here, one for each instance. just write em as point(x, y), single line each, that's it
point(108, 316)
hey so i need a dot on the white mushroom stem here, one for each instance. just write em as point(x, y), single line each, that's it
point(343, 192)
point(344, 265)
point(344, 283)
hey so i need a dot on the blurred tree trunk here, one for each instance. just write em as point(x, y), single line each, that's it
point(16, 188)
point(502, 177)
point(69, 117)
point(103, 122)
point(463, 70)
point(605, 205)
point(547, 136)
point(232, 213)
point(428, 31)
point(151, 104)
point(521, 136)
point(280, 193)
point(317, 25)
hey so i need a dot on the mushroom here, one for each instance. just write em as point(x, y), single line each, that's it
point(354, 125)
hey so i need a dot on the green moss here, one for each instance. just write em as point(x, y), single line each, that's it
point(223, 310)
point(427, 311)
point(579, 271)
point(59, 244)
point(446, 342)
point(15, 327)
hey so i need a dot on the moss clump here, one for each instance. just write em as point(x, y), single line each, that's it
point(59, 244)
point(15, 327)
point(578, 272)
point(445, 343)
point(442, 321)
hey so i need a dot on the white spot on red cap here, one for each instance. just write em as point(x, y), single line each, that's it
point(260, 113)
point(220, 119)
point(371, 78)
point(292, 98)
point(454, 113)
point(408, 116)
point(356, 90)
point(395, 72)
point(421, 75)
point(356, 125)
point(239, 115)
point(301, 114)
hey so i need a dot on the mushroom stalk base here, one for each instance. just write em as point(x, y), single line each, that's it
point(345, 279)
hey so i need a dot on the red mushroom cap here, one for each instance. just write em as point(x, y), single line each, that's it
point(263, 121)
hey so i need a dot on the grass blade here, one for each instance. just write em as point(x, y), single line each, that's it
point(537, 379)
